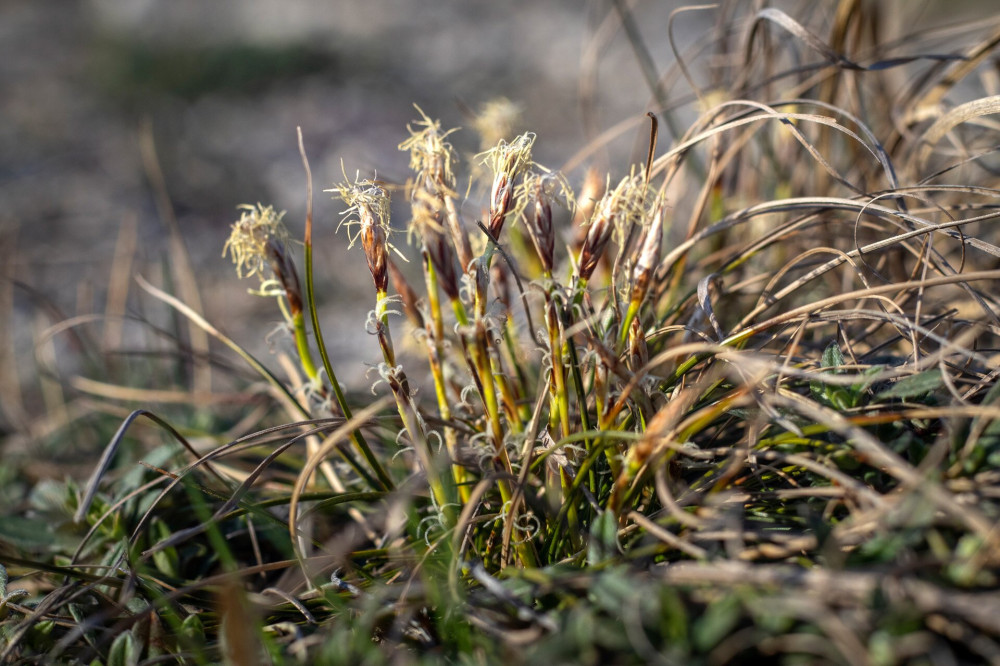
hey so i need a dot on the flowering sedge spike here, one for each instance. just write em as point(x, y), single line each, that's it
point(638, 352)
point(507, 161)
point(374, 242)
point(426, 222)
point(613, 212)
point(496, 120)
point(431, 156)
point(540, 226)
point(259, 239)
point(649, 256)
point(369, 203)
point(283, 268)
point(249, 237)
point(434, 215)
point(598, 234)
point(642, 273)
point(593, 189)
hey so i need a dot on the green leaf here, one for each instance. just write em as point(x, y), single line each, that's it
point(719, 619)
point(603, 542)
point(167, 559)
point(193, 629)
point(25, 533)
point(987, 447)
point(612, 588)
point(673, 617)
point(124, 651)
point(832, 356)
point(913, 386)
point(869, 375)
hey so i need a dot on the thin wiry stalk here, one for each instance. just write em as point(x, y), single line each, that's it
point(359, 441)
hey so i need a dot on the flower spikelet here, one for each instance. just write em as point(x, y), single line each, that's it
point(431, 155)
point(616, 209)
point(250, 235)
point(368, 208)
point(496, 121)
point(507, 161)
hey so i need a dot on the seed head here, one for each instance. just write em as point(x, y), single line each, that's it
point(250, 235)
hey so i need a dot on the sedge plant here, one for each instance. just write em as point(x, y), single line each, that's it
point(735, 401)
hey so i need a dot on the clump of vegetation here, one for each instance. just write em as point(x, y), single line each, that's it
point(736, 402)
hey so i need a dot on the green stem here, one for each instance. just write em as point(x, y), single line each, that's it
point(436, 354)
point(302, 346)
point(560, 397)
point(630, 313)
point(411, 419)
point(359, 441)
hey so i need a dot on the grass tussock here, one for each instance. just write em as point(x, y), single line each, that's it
point(735, 402)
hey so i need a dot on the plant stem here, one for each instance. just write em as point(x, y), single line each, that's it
point(359, 441)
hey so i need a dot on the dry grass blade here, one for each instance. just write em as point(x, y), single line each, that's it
point(667, 537)
point(335, 439)
point(799, 31)
point(892, 463)
point(112, 448)
point(134, 394)
point(952, 119)
point(180, 263)
point(202, 323)
point(974, 57)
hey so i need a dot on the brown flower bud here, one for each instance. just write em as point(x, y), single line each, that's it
point(540, 227)
point(638, 352)
point(407, 293)
point(500, 199)
point(598, 234)
point(284, 269)
point(591, 192)
point(649, 256)
point(507, 161)
point(374, 243)
point(443, 259)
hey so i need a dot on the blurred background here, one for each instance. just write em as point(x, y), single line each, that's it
point(120, 119)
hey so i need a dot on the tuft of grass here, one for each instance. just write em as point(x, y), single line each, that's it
point(735, 402)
